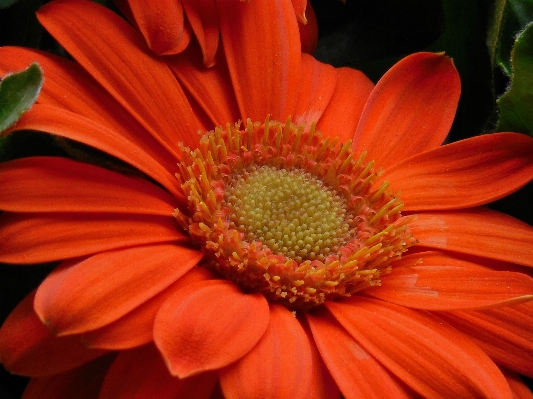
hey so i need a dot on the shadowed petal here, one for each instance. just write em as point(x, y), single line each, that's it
point(479, 232)
point(92, 293)
point(139, 81)
point(141, 373)
point(208, 325)
point(210, 87)
point(467, 173)
point(28, 348)
point(76, 127)
point(433, 282)
point(357, 373)
point(503, 333)
point(37, 238)
point(137, 327)
point(279, 366)
point(411, 109)
point(430, 356)
point(519, 388)
point(264, 63)
point(81, 383)
point(342, 114)
point(317, 85)
point(203, 17)
point(50, 184)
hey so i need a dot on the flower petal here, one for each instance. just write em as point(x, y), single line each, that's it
point(81, 296)
point(322, 384)
point(505, 334)
point(69, 88)
point(50, 184)
point(467, 173)
point(519, 388)
point(479, 232)
point(411, 109)
point(76, 127)
point(317, 85)
point(160, 23)
point(357, 373)
point(210, 87)
point(139, 81)
point(207, 325)
point(309, 28)
point(342, 114)
point(430, 356)
point(37, 238)
point(141, 373)
point(203, 17)
point(264, 63)
point(27, 347)
point(433, 282)
point(136, 328)
point(279, 366)
point(81, 383)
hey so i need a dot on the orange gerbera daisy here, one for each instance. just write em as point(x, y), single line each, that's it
point(327, 244)
point(168, 26)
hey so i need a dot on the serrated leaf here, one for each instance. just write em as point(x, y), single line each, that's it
point(18, 93)
point(516, 105)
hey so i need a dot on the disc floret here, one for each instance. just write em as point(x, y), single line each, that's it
point(282, 211)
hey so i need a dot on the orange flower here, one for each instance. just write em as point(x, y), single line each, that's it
point(168, 26)
point(280, 262)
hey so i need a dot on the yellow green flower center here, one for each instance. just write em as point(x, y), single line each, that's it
point(284, 212)
point(290, 211)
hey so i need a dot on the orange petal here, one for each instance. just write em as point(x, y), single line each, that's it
point(479, 232)
point(309, 28)
point(463, 174)
point(505, 334)
point(411, 109)
point(208, 325)
point(203, 17)
point(160, 23)
point(426, 281)
point(519, 388)
point(76, 127)
point(430, 356)
point(357, 373)
point(210, 87)
point(28, 348)
point(279, 366)
point(141, 373)
point(50, 184)
point(89, 294)
point(81, 383)
point(69, 88)
point(317, 85)
point(141, 82)
point(262, 48)
point(341, 117)
point(299, 9)
point(37, 238)
point(137, 327)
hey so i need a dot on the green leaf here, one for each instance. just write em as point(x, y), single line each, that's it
point(516, 105)
point(18, 93)
point(509, 18)
point(7, 3)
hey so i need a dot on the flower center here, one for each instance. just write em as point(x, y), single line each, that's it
point(290, 211)
point(281, 211)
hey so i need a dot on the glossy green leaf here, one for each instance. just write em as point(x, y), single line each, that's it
point(516, 105)
point(18, 93)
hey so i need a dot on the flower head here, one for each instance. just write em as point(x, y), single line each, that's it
point(313, 239)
